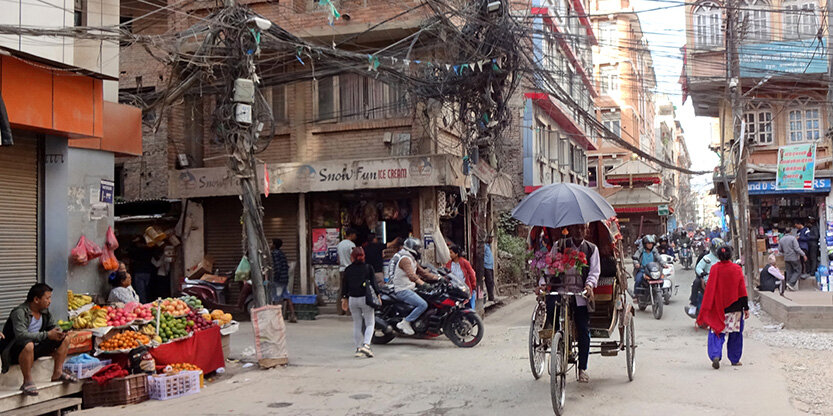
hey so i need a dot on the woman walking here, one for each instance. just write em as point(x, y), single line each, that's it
point(353, 290)
point(462, 271)
point(724, 308)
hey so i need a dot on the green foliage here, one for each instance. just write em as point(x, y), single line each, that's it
point(512, 268)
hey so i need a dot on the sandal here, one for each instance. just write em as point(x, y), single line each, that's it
point(29, 389)
point(737, 364)
point(67, 378)
point(583, 377)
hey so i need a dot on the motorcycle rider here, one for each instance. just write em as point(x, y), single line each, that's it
point(406, 276)
point(647, 254)
point(701, 272)
point(664, 248)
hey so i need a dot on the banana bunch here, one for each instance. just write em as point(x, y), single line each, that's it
point(80, 322)
point(149, 330)
point(96, 318)
point(77, 301)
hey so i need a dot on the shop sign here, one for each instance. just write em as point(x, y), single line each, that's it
point(662, 210)
point(783, 57)
point(768, 187)
point(796, 167)
point(484, 172)
point(322, 176)
point(325, 245)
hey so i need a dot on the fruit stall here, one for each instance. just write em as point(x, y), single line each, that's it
point(170, 344)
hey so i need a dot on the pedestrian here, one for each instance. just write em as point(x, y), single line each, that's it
point(771, 277)
point(353, 296)
point(813, 247)
point(344, 250)
point(803, 236)
point(724, 309)
point(462, 271)
point(789, 248)
point(280, 286)
point(489, 268)
point(373, 252)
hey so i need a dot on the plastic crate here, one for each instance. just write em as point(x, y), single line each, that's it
point(116, 392)
point(306, 316)
point(165, 387)
point(305, 299)
point(85, 370)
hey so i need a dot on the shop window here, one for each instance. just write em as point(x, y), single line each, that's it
point(755, 20)
point(800, 20)
point(708, 24)
point(758, 118)
point(804, 121)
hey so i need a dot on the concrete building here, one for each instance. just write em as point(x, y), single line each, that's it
point(782, 81)
point(626, 81)
point(671, 147)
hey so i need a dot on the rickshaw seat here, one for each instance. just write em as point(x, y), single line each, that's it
point(604, 289)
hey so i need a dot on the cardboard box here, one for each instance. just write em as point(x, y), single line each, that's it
point(206, 265)
point(213, 278)
point(80, 341)
point(761, 245)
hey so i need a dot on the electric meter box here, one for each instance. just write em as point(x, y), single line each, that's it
point(244, 91)
point(243, 113)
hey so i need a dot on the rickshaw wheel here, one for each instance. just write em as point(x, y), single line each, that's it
point(537, 349)
point(630, 348)
point(558, 373)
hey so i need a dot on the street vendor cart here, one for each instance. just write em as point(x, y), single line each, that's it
point(611, 312)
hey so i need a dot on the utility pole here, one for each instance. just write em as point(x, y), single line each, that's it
point(744, 243)
point(823, 227)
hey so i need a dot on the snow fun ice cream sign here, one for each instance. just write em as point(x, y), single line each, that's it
point(796, 167)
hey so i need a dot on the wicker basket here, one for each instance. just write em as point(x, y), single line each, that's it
point(118, 391)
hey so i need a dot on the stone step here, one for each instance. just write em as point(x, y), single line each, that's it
point(49, 407)
point(13, 398)
point(41, 370)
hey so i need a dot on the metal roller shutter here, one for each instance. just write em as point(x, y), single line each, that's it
point(223, 230)
point(18, 221)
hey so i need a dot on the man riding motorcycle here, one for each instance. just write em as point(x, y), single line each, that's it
point(647, 254)
point(701, 272)
point(406, 276)
point(665, 248)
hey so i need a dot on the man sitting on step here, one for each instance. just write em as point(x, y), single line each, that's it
point(31, 333)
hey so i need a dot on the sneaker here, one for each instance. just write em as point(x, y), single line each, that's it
point(792, 288)
point(358, 353)
point(365, 349)
point(716, 363)
point(405, 327)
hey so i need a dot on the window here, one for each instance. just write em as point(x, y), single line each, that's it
point(611, 121)
point(553, 145)
point(608, 33)
point(758, 118)
point(591, 177)
point(755, 20)
point(355, 97)
point(541, 139)
point(326, 98)
point(708, 22)
point(804, 121)
point(609, 79)
point(276, 97)
point(800, 19)
point(194, 130)
point(80, 16)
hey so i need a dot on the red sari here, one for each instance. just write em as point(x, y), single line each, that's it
point(725, 286)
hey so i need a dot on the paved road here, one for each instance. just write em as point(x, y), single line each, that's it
point(420, 377)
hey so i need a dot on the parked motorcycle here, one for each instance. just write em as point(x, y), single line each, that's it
point(652, 290)
point(213, 296)
point(669, 283)
point(447, 314)
point(685, 256)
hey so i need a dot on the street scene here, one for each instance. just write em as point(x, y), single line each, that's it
point(430, 207)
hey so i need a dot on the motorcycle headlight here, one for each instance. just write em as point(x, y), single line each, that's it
point(655, 275)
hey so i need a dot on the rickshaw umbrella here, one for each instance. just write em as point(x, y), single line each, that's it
point(562, 204)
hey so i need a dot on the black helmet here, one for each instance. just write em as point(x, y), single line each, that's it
point(663, 239)
point(648, 239)
point(413, 246)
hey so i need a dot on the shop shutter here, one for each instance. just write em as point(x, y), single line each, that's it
point(223, 230)
point(18, 221)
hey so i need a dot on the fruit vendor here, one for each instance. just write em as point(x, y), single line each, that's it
point(30, 333)
point(122, 292)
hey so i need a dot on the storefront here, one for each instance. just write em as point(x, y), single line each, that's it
point(771, 210)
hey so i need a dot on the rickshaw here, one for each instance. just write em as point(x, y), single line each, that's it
point(611, 313)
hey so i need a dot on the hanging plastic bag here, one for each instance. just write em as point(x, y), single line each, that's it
point(79, 253)
point(93, 250)
point(109, 261)
point(111, 241)
point(244, 270)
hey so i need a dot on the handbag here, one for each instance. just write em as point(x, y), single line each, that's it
point(371, 298)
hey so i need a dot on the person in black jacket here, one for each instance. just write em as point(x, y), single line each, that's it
point(353, 288)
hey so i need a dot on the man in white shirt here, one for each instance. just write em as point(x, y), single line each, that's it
point(344, 249)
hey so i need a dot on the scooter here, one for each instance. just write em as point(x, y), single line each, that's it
point(213, 296)
point(651, 290)
point(685, 256)
point(669, 285)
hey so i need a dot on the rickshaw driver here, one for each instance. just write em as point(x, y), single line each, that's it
point(581, 316)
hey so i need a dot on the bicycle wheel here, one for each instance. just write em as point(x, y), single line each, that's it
point(630, 348)
point(558, 373)
point(537, 347)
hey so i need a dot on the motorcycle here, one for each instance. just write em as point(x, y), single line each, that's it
point(685, 256)
point(669, 285)
point(652, 290)
point(213, 296)
point(448, 313)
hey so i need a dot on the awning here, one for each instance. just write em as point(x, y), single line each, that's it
point(633, 169)
point(637, 197)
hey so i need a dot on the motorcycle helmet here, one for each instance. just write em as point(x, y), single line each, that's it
point(716, 244)
point(663, 239)
point(413, 246)
point(648, 239)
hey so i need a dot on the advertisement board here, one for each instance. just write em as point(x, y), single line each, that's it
point(807, 56)
point(796, 167)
